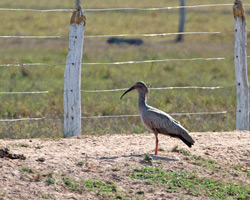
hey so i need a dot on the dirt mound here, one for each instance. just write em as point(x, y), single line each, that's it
point(123, 167)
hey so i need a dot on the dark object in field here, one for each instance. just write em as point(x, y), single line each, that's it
point(5, 153)
point(158, 121)
point(40, 159)
point(115, 40)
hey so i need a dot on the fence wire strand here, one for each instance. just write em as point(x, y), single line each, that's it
point(114, 63)
point(31, 37)
point(117, 9)
point(116, 35)
point(36, 92)
point(28, 64)
point(22, 119)
point(114, 116)
point(107, 36)
point(152, 34)
point(124, 89)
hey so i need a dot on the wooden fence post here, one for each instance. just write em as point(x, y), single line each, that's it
point(240, 61)
point(182, 20)
point(78, 2)
point(72, 75)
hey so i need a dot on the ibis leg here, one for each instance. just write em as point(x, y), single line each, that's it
point(156, 143)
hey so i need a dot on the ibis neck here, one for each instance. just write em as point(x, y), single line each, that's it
point(142, 105)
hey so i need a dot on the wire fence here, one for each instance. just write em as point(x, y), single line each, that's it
point(119, 63)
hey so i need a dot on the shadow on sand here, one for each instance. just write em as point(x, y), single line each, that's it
point(159, 158)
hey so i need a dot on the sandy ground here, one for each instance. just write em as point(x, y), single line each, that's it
point(110, 158)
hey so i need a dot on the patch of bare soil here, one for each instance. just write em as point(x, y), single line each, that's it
point(111, 158)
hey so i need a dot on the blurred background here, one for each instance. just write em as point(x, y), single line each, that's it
point(174, 73)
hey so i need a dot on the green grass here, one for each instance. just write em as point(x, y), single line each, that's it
point(46, 196)
point(21, 145)
point(182, 151)
point(27, 170)
point(209, 164)
point(185, 182)
point(147, 159)
point(50, 181)
point(80, 163)
point(101, 188)
point(240, 169)
point(163, 74)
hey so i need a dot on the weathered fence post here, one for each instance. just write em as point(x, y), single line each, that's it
point(182, 20)
point(78, 2)
point(72, 75)
point(240, 61)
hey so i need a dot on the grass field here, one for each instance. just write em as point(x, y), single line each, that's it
point(164, 74)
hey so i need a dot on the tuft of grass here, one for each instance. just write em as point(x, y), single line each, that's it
point(49, 174)
point(50, 181)
point(39, 147)
point(182, 151)
point(116, 169)
point(46, 196)
point(21, 145)
point(27, 170)
point(140, 192)
point(80, 163)
point(148, 159)
point(178, 182)
point(161, 149)
point(247, 153)
point(4, 195)
point(126, 165)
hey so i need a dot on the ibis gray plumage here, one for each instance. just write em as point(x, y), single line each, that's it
point(158, 121)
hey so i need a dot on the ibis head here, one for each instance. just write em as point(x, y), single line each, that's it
point(139, 86)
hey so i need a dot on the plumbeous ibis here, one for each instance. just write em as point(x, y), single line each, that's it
point(158, 121)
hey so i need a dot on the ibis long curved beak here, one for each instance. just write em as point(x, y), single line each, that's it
point(130, 89)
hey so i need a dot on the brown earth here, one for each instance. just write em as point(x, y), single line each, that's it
point(110, 158)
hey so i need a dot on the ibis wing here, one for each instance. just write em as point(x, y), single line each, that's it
point(161, 122)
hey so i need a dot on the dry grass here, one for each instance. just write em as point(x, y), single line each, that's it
point(200, 73)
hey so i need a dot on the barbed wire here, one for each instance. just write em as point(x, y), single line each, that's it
point(31, 37)
point(155, 34)
point(117, 35)
point(29, 64)
point(36, 92)
point(164, 88)
point(153, 61)
point(22, 119)
point(172, 114)
point(114, 63)
point(113, 116)
point(123, 89)
point(117, 9)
